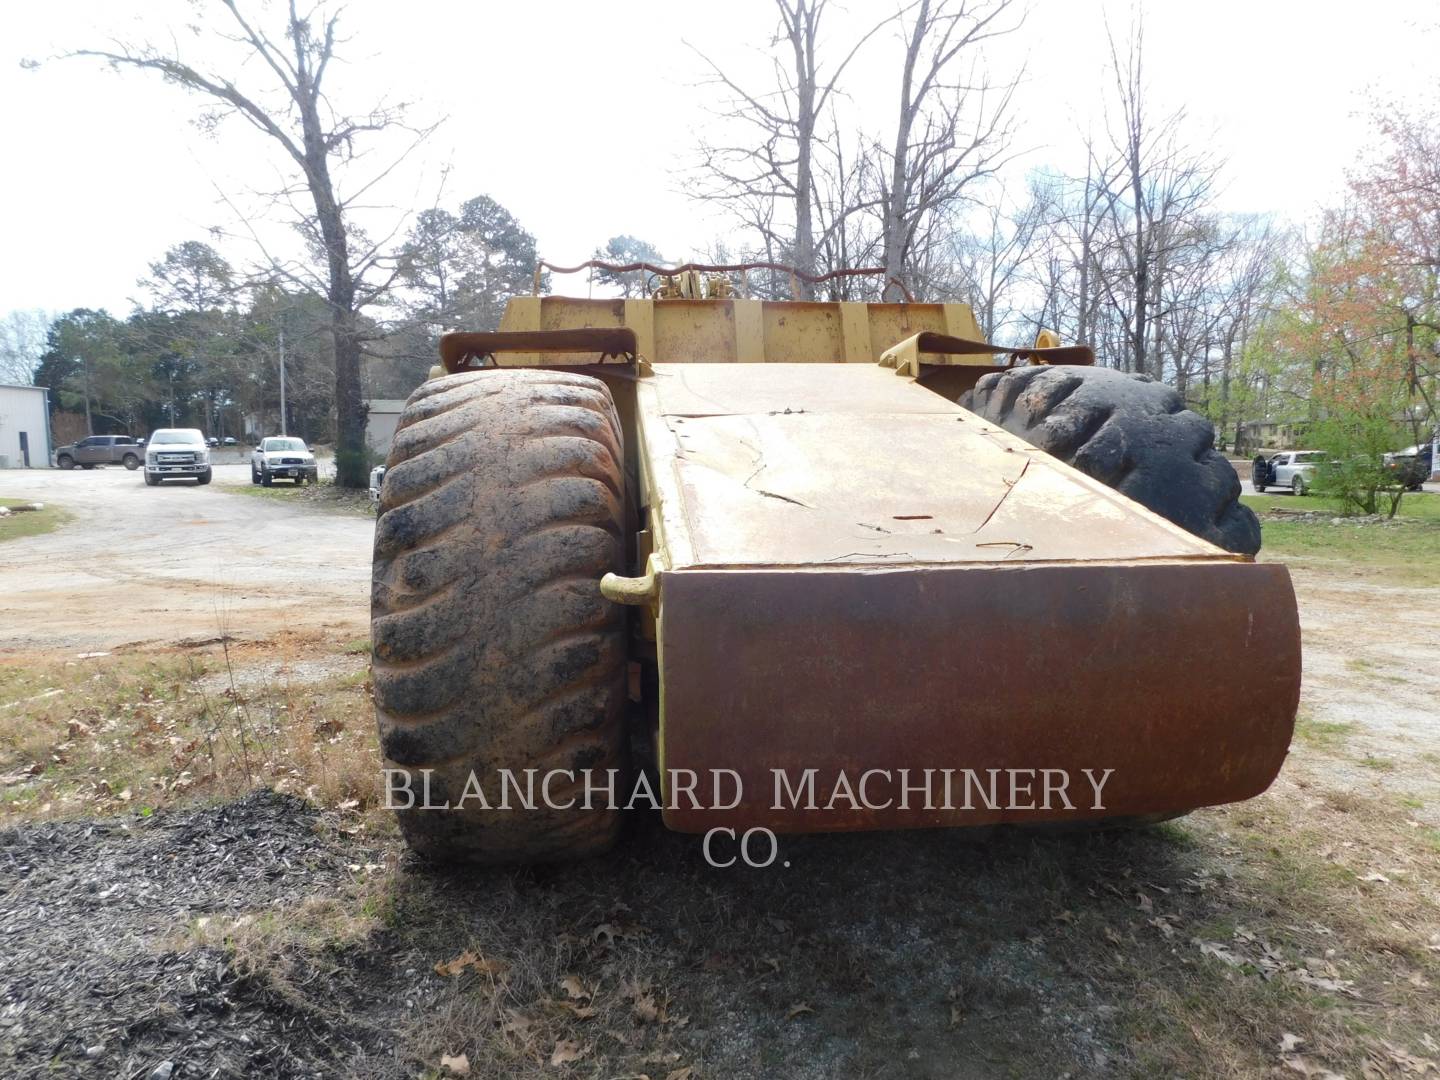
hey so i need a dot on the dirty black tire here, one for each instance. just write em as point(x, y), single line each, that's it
point(501, 509)
point(131, 462)
point(1130, 433)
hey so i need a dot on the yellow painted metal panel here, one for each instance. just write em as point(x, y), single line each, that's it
point(803, 333)
point(749, 331)
point(695, 331)
point(640, 317)
point(855, 329)
point(521, 313)
point(892, 323)
point(960, 322)
point(730, 330)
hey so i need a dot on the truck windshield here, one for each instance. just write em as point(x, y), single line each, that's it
point(185, 435)
point(284, 444)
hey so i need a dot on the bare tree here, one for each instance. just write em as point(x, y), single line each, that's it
point(953, 127)
point(992, 264)
point(22, 343)
point(1153, 187)
point(289, 106)
point(772, 158)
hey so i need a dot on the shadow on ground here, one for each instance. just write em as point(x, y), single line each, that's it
point(259, 936)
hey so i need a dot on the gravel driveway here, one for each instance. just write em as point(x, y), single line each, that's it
point(141, 565)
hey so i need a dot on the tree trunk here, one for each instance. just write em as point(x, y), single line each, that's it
point(1142, 260)
point(899, 194)
point(351, 460)
point(89, 425)
point(804, 42)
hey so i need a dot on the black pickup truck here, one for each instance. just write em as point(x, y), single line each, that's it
point(101, 450)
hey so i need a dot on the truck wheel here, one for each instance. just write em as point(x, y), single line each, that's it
point(131, 462)
point(1130, 433)
point(65, 461)
point(502, 508)
point(151, 480)
point(1297, 486)
point(266, 479)
point(254, 476)
point(204, 477)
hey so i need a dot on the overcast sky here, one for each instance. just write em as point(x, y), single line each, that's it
point(580, 117)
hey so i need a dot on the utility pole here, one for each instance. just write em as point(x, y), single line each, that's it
point(283, 431)
point(85, 368)
point(172, 398)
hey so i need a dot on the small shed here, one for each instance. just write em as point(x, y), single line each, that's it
point(24, 427)
point(380, 424)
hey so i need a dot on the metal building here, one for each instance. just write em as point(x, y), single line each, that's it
point(24, 427)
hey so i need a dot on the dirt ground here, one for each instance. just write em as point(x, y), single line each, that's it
point(142, 566)
point(1292, 935)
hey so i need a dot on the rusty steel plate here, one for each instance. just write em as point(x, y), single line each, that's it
point(1181, 677)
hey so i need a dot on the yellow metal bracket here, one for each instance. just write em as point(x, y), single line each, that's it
point(643, 591)
point(906, 356)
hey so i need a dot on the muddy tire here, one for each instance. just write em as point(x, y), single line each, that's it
point(502, 507)
point(1130, 433)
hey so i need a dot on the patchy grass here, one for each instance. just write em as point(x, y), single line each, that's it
point(1323, 734)
point(1418, 506)
point(1405, 551)
point(30, 523)
point(142, 731)
point(326, 496)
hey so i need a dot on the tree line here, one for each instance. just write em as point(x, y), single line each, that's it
point(1250, 318)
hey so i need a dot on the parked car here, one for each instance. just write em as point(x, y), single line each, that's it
point(1414, 464)
point(177, 454)
point(1293, 470)
point(229, 440)
point(377, 477)
point(282, 456)
point(212, 441)
point(101, 450)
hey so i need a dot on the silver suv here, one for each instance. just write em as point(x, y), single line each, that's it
point(177, 454)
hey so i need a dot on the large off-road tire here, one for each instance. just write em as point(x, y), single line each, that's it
point(1130, 433)
point(501, 509)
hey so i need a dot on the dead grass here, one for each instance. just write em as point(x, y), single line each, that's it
point(1324, 928)
point(144, 731)
point(326, 496)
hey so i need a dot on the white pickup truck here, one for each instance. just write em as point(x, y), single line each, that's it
point(1292, 470)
